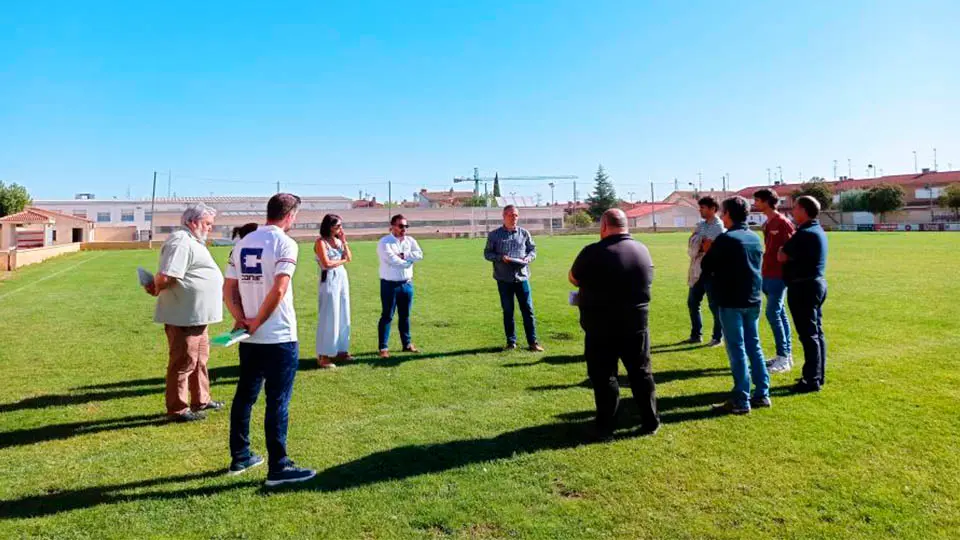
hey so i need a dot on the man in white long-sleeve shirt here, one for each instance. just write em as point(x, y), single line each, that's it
point(398, 253)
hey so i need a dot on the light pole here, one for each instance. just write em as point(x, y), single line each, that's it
point(552, 204)
point(696, 194)
point(780, 173)
point(769, 178)
point(630, 194)
point(915, 170)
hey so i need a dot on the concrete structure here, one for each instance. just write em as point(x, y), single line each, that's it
point(35, 227)
point(665, 215)
point(136, 213)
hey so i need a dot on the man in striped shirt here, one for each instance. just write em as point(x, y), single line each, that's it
point(511, 250)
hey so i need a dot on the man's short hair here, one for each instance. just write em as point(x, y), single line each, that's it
point(614, 219)
point(709, 202)
point(768, 196)
point(509, 207)
point(396, 218)
point(737, 208)
point(196, 212)
point(810, 205)
point(282, 205)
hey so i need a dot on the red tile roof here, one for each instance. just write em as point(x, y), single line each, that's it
point(433, 196)
point(648, 208)
point(906, 180)
point(30, 215)
point(55, 214)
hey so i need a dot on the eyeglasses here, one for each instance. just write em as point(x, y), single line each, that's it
point(403, 226)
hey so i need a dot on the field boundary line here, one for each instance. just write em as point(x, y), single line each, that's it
point(53, 275)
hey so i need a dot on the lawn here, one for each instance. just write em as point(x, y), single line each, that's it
point(463, 441)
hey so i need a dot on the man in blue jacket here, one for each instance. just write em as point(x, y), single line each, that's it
point(804, 259)
point(733, 263)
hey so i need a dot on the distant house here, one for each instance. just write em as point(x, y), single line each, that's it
point(36, 227)
point(666, 215)
point(443, 199)
point(363, 203)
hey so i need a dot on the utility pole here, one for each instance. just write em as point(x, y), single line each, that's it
point(389, 199)
point(278, 186)
point(630, 194)
point(153, 201)
point(486, 209)
point(769, 178)
point(552, 203)
point(930, 196)
point(849, 168)
point(700, 180)
point(169, 182)
point(653, 208)
point(780, 173)
point(834, 169)
point(676, 185)
point(575, 201)
point(915, 170)
point(934, 160)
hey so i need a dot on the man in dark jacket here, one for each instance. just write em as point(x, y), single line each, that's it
point(805, 260)
point(614, 277)
point(733, 263)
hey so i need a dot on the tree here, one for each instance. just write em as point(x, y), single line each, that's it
point(496, 185)
point(13, 198)
point(475, 201)
point(603, 197)
point(884, 198)
point(818, 190)
point(579, 220)
point(854, 200)
point(951, 199)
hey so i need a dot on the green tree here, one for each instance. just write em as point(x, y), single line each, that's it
point(13, 198)
point(476, 201)
point(603, 197)
point(854, 200)
point(884, 198)
point(578, 220)
point(496, 185)
point(817, 189)
point(951, 199)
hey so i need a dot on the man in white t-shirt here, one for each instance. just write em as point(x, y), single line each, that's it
point(259, 295)
point(398, 252)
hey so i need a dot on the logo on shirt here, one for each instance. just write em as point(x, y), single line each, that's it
point(251, 261)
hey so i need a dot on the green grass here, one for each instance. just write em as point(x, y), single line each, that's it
point(463, 442)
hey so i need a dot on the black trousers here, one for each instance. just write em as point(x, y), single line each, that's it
point(602, 351)
point(806, 300)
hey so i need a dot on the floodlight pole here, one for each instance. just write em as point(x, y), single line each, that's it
point(153, 202)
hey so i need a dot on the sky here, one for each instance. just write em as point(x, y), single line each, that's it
point(341, 98)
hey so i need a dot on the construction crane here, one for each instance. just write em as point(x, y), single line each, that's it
point(476, 179)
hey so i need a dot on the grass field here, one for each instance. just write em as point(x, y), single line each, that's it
point(465, 442)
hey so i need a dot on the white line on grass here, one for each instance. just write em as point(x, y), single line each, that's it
point(53, 275)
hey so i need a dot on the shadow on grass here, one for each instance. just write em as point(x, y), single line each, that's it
point(575, 358)
point(397, 358)
point(64, 501)
point(660, 377)
point(22, 437)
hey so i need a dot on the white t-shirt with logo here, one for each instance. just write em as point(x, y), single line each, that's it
point(255, 262)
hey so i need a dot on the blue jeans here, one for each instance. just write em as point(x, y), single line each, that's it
point(273, 367)
point(694, 298)
point(520, 290)
point(395, 296)
point(776, 312)
point(741, 334)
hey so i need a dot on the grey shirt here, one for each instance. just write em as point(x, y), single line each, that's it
point(196, 298)
point(518, 246)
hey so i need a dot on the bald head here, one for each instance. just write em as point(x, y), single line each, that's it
point(613, 221)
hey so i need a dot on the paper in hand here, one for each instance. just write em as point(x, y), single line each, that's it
point(145, 277)
point(574, 298)
point(227, 339)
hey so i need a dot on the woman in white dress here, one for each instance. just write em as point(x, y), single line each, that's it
point(333, 314)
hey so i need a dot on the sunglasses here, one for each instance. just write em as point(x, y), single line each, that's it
point(403, 226)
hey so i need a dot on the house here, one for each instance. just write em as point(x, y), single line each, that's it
point(443, 199)
point(35, 227)
point(663, 215)
point(363, 203)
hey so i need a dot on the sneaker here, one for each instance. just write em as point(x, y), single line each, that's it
point(211, 406)
point(535, 347)
point(761, 403)
point(189, 416)
point(288, 475)
point(240, 466)
point(729, 407)
point(715, 343)
point(781, 364)
point(411, 348)
point(510, 347)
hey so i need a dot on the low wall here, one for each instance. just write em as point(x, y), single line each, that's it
point(101, 246)
point(19, 258)
point(114, 234)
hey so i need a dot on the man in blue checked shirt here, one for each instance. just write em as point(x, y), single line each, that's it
point(511, 250)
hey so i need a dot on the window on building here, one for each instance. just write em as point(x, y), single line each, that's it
point(148, 216)
point(126, 215)
point(103, 217)
point(80, 214)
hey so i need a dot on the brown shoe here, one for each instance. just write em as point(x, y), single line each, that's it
point(411, 348)
point(344, 357)
point(536, 347)
point(384, 353)
point(324, 363)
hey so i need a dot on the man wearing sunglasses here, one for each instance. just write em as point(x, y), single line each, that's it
point(398, 253)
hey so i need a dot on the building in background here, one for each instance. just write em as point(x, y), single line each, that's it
point(443, 199)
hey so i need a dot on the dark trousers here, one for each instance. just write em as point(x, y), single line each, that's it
point(694, 299)
point(273, 367)
point(395, 296)
point(602, 350)
point(806, 299)
point(520, 290)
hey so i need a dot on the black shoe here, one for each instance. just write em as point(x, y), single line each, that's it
point(761, 403)
point(715, 342)
point(692, 341)
point(240, 466)
point(510, 347)
point(600, 434)
point(728, 407)
point(803, 387)
point(189, 416)
point(289, 474)
point(211, 406)
point(648, 430)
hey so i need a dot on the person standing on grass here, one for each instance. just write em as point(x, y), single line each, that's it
point(700, 285)
point(511, 250)
point(188, 286)
point(804, 259)
point(259, 295)
point(398, 253)
point(614, 277)
point(733, 263)
point(776, 231)
point(333, 293)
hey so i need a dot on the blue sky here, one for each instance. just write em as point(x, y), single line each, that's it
point(235, 96)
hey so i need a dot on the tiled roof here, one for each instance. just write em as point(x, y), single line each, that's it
point(648, 208)
point(445, 195)
point(912, 180)
point(29, 215)
point(55, 214)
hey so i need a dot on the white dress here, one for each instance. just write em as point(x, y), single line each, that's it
point(333, 312)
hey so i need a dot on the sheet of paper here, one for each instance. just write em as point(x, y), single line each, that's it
point(227, 339)
point(144, 276)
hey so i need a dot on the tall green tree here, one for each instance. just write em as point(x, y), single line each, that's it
point(496, 185)
point(854, 200)
point(13, 198)
point(819, 190)
point(884, 198)
point(951, 199)
point(603, 197)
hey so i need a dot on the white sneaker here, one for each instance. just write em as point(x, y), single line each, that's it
point(781, 364)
